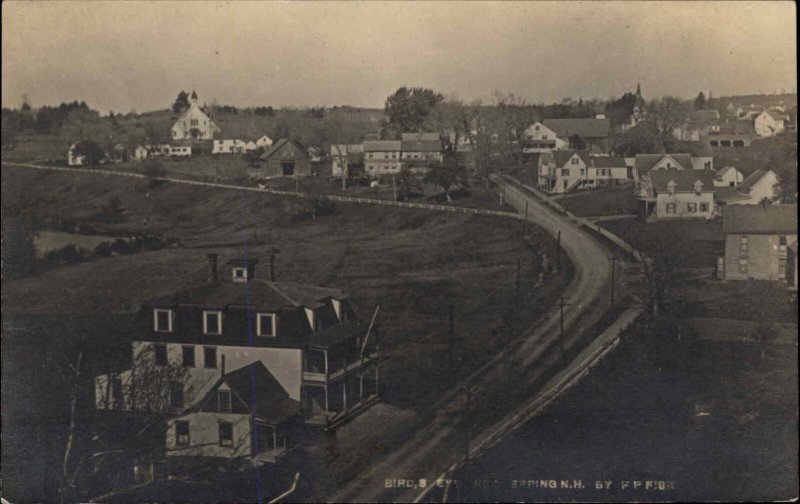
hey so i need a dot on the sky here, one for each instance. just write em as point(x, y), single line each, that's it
point(125, 56)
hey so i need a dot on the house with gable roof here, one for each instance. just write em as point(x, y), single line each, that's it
point(303, 349)
point(728, 176)
point(753, 190)
point(644, 164)
point(560, 171)
point(678, 194)
point(760, 243)
point(770, 123)
point(285, 158)
point(194, 124)
point(555, 134)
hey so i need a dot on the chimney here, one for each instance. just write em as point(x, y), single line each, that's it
point(271, 267)
point(213, 271)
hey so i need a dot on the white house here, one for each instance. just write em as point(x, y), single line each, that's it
point(180, 150)
point(560, 171)
point(250, 146)
point(264, 142)
point(759, 186)
point(728, 176)
point(540, 138)
point(382, 157)
point(194, 124)
point(680, 194)
point(228, 146)
point(140, 153)
point(342, 156)
point(770, 123)
point(74, 159)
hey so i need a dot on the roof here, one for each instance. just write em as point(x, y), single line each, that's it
point(759, 219)
point(280, 144)
point(421, 136)
point(684, 180)
point(729, 195)
point(752, 180)
point(560, 157)
point(421, 145)
point(725, 169)
point(382, 145)
point(583, 127)
point(645, 162)
point(260, 391)
point(706, 115)
point(337, 333)
point(256, 292)
point(608, 162)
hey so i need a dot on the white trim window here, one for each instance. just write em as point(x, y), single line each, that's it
point(267, 324)
point(239, 274)
point(224, 402)
point(212, 322)
point(162, 320)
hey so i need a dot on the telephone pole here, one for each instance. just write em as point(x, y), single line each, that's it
point(561, 305)
point(558, 252)
point(394, 189)
point(613, 267)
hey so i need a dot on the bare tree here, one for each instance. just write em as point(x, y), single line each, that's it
point(665, 255)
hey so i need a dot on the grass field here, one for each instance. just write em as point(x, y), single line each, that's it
point(614, 200)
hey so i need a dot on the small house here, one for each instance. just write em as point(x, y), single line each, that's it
point(285, 158)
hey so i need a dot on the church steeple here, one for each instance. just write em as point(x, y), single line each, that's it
point(193, 98)
point(638, 90)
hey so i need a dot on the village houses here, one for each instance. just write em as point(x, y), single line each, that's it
point(757, 188)
point(285, 158)
point(382, 157)
point(560, 171)
point(418, 150)
point(555, 134)
point(344, 157)
point(728, 176)
point(770, 123)
point(260, 356)
point(678, 194)
point(760, 243)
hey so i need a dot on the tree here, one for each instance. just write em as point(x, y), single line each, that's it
point(282, 130)
point(447, 174)
point(784, 162)
point(407, 183)
point(619, 111)
point(576, 142)
point(642, 138)
point(407, 108)
point(90, 150)
point(700, 101)
point(18, 251)
point(181, 102)
point(666, 253)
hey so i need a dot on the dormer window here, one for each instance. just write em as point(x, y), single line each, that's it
point(311, 316)
point(267, 324)
point(224, 401)
point(575, 160)
point(239, 274)
point(671, 187)
point(162, 320)
point(340, 309)
point(212, 322)
point(698, 187)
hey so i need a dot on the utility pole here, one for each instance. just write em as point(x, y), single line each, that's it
point(613, 267)
point(558, 252)
point(561, 305)
point(451, 337)
point(394, 189)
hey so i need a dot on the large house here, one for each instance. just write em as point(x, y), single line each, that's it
point(678, 194)
point(760, 243)
point(770, 123)
point(753, 190)
point(242, 358)
point(731, 134)
point(697, 125)
point(418, 150)
point(382, 157)
point(194, 124)
point(644, 164)
point(555, 134)
point(229, 146)
point(284, 158)
point(560, 171)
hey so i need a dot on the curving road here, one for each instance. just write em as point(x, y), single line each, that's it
point(438, 445)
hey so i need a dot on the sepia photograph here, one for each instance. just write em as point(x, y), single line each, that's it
point(359, 251)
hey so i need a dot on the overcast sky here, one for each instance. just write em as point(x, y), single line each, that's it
point(138, 55)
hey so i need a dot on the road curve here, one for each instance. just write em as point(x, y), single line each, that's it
point(433, 448)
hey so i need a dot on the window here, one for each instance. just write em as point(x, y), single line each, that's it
point(176, 394)
point(181, 433)
point(162, 320)
point(782, 242)
point(714, 143)
point(565, 172)
point(544, 137)
point(743, 243)
point(691, 207)
point(732, 184)
point(671, 208)
point(743, 265)
point(188, 356)
point(160, 350)
point(239, 274)
point(583, 171)
point(369, 155)
point(225, 434)
point(781, 266)
point(224, 401)
point(704, 207)
point(212, 322)
point(195, 122)
point(575, 160)
point(266, 323)
point(210, 357)
point(116, 392)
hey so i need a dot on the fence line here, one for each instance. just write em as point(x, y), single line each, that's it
point(331, 197)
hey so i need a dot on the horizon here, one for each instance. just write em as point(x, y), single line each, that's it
point(290, 55)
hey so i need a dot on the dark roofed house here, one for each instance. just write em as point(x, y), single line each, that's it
point(285, 158)
point(591, 130)
point(681, 194)
point(419, 150)
point(246, 415)
point(759, 241)
point(294, 348)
